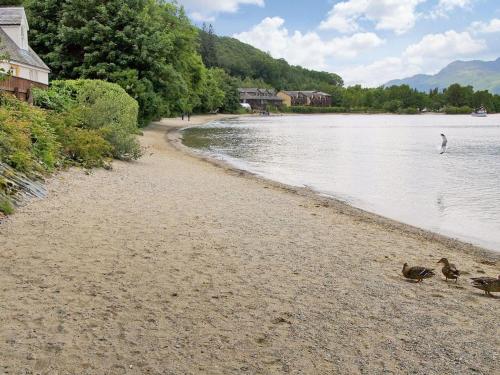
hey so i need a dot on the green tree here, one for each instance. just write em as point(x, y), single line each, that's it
point(483, 99)
point(212, 96)
point(207, 46)
point(148, 47)
point(11, 2)
point(459, 96)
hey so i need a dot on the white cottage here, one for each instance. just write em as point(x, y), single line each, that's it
point(25, 67)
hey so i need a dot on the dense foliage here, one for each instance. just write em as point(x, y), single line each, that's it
point(256, 68)
point(148, 47)
point(82, 122)
point(151, 49)
point(100, 107)
point(27, 141)
point(403, 99)
point(11, 2)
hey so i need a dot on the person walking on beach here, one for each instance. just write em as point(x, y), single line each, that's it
point(182, 116)
point(444, 144)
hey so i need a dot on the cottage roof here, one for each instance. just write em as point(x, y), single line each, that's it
point(307, 93)
point(14, 53)
point(260, 97)
point(11, 16)
point(256, 93)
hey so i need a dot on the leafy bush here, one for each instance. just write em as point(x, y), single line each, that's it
point(51, 99)
point(27, 141)
point(97, 105)
point(82, 122)
point(28, 144)
point(82, 146)
point(408, 111)
point(6, 205)
point(464, 110)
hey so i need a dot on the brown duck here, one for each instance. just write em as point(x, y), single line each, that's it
point(488, 284)
point(417, 273)
point(449, 270)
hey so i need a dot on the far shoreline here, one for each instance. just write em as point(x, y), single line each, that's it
point(174, 138)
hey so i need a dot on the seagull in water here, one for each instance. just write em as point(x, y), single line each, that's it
point(443, 145)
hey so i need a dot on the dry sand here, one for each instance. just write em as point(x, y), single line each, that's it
point(171, 265)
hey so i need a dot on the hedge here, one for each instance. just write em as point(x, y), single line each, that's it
point(97, 105)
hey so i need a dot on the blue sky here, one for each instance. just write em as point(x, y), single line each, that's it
point(365, 41)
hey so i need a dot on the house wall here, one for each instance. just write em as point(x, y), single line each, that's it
point(321, 101)
point(26, 72)
point(287, 99)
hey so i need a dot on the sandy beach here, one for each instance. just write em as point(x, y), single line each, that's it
point(176, 265)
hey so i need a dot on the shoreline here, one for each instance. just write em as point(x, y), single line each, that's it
point(174, 137)
point(172, 265)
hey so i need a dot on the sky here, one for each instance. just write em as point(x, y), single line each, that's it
point(365, 41)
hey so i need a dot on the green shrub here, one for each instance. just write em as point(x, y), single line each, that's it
point(27, 141)
point(408, 111)
point(51, 99)
point(100, 106)
point(79, 145)
point(6, 206)
point(86, 147)
point(124, 145)
point(81, 122)
point(450, 110)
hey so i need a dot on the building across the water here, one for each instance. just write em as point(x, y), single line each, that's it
point(25, 69)
point(260, 99)
point(305, 98)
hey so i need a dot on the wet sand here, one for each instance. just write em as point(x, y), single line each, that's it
point(173, 265)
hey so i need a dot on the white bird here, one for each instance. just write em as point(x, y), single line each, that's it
point(443, 145)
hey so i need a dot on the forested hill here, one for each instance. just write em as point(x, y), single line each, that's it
point(254, 66)
point(481, 75)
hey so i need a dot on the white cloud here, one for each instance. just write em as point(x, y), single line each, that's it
point(378, 72)
point(396, 15)
point(205, 10)
point(444, 7)
point(486, 27)
point(305, 49)
point(444, 46)
point(429, 55)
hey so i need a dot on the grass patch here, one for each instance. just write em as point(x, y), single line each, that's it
point(6, 206)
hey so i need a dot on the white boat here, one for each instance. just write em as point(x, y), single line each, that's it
point(481, 112)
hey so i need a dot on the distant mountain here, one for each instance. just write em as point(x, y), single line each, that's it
point(482, 75)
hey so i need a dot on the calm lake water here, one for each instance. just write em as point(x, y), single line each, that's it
point(387, 164)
